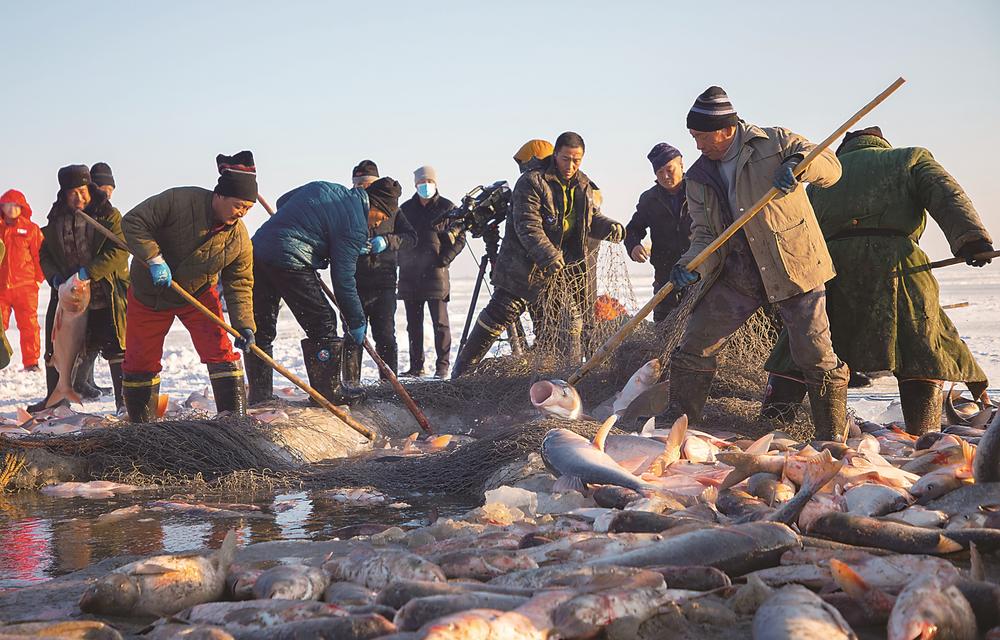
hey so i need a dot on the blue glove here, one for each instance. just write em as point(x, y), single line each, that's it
point(82, 274)
point(56, 281)
point(160, 274)
point(681, 277)
point(246, 340)
point(784, 177)
point(378, 244)
point(366, 249)
point(358, 334)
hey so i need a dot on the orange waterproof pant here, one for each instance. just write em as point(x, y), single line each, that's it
point(23, 302)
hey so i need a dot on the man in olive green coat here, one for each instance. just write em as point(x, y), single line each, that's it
point(194, 237)
point(883, 304)
point(779, 257)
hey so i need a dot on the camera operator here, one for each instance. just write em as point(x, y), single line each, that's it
point(552, 216)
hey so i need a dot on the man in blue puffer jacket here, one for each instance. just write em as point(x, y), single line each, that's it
point(317, 224)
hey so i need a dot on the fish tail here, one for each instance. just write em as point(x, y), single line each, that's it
point(227, 552)
point(849, 580)
point(820, 469)
point(61, 393)
point(761, 445)
point(602, 432)
point(678, 432)
point(968, 456)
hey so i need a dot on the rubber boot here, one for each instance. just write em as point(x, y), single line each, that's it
point(51, 380)
point(228, 387)
point(115, 368)
point(323, 366)
point(141, 394)
point(922, 405)
point(828, 402)
point(689, 390)
point(260, 378)
point(977, 389)
point(83, 378)
point(352, 362)
point(782, 398)
point(476, 347)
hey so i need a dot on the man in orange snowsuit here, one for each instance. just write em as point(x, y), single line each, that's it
point(20, 274)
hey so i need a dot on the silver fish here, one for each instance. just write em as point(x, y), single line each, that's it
point(290, 582)
point(556, 398)
point(796, 613)
point(68, 333)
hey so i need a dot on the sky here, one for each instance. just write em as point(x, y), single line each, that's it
point(157, 89)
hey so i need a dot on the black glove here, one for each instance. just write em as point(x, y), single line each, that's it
point(617, 235)
point(246, 340)
point(554, 267)
point(973, 248)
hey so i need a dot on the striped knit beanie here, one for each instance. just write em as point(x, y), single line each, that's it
point(237, 176)
point(661, 154)
point(712, 111)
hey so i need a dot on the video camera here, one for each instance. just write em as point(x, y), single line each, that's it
point(481, 212)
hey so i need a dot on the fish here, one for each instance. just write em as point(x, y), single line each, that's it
point(290, 582)
point(482, 564)
point(586, 614)
point(350, 594)
point(482, 623)
point(399, 592)
point(69, 331)
point(347, 627)
point(376, 568)
point(644, 378)
point(639, 453)
point(118, 515)
point(869, 532)
point(612, 497)
point(556, 398)
point(576, 461)
point(92, 489)
point(820, 470)
point(240, 581)
point(986, 465)
point(650, 402)
point(419, 611)
point(937, 483)
point(645, 522)
point(875, 499)
point(199, 509)
point(240, 618)
point(569, 575)
point(172, 631)
point(796, 613)
point(694, 578)
point(14, 432)
point(877, 604)
point(918, 516)
point(199, 401)
point(931, 607)
point(769, 488)
point(162, 585)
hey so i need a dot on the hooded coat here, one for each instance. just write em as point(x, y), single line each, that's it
point(423, 268)
point(23, 240)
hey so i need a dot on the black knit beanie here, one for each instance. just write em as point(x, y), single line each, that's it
point(870, 131)
point(712, 111)
point(73, 176)
point(383, 194)
point(365, 168)
point(661, 154)
point(237, 176)
point(101, 174)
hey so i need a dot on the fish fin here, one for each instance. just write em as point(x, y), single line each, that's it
point(565, 484)
point(648, 428)
point(849, 580)
point(761, 445)
point(60, 395)
point(23, 417)
point(947, 545)
point(227, 552)
point(636, 463)
point(976, 569)
point(968, 457)
point(602, 432)
point(161, 405)
point(980, 420)
point(149, 569)
point(820, 470)
point(678, 432)
point(439, 442)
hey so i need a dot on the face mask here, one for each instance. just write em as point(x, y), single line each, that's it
point(426, 190)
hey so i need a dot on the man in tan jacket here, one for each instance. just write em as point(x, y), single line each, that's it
point(778, 258)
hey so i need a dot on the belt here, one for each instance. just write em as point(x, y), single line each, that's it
point(857, 232)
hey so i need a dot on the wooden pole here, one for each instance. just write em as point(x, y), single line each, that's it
point(257, 351)
point(947, 262)
point(609, 347)
point(383, 368)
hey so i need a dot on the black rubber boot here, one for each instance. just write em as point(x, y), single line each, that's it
point(141, 394)
point(828, 403)
point(51, 380)
point(323, 366)
point(922, 405)
point(83, 378)
point(476, 347)
point(782, 399)
point(689, 391)
point(228, 388)
point(115, 367)
point(352, 362)
point(260, 378)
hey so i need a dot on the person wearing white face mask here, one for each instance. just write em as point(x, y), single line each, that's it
point(423, 272)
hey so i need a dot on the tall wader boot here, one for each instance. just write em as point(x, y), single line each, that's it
point(141, 393)
point(83, 378)
point(323, 366)
point(51, 380)
point(977, 389)
point(782, 399)
point(115, 367)
point(922, 404)
point(260, 378)
point(828, 402)
point(689, 390)
point(478, 344)
point(228, 387)
point(352, 362)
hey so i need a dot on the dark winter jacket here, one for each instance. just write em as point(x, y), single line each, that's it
point(666, 217)
point(534, 237)
point(379, 271)
point(319, 224)
point(180, 225)
point(423, 269)
point(108, 266)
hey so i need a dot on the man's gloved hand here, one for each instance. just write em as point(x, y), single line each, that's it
point(617, 235)
point(784, 177)
point(639, 253)
point(160, 273)
point(681, 277)
point(377, 245)
point(82, 274)
point(973, 248)
point(358, 334)
point(246, 340)
point(554, 267)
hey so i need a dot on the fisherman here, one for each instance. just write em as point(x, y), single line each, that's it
point(83, 379)
point(662, 209)
point(317, 224)
point(70, 245)
point(20, 274)
point(552, 215)
point(194, 237)
point(423, 271)
point(779, 257)
point(376, 278)
point(883, 305)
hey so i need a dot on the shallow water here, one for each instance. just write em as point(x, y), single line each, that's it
point(43, 536)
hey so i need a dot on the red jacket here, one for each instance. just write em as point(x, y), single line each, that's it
point(22, 239)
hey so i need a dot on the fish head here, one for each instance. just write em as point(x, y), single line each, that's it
point(115, 593)
point(556, 398)
point(650, 372)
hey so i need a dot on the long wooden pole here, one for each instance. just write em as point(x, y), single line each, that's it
point(609, 347)
point(257, 351)
point(947, 262)
point(383, 368)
